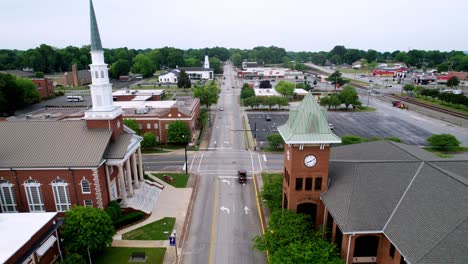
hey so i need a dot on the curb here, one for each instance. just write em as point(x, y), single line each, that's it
point(188, 215)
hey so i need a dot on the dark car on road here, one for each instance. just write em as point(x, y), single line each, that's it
point(242, 176)
point(268, 117)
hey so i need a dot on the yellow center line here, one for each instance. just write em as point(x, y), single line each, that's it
point(213, 221)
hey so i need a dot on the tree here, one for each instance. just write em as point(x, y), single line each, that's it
point(73, 259)
point(15, 93)
point(143, 65)
point(208, 94)
point(216, 64)
point(38, 74)
point(236, 59)
point(453, 81)
point(349, 96)
point(29, 91)
point(331, 100)
point(408, 88)
point(271, 193)
point(183, 81)
point(133, 125)
point(247, 92)
point(275, 141)
point(352, 139)
point(335, 78)
point(120, 67)
point(149, 140)
point(443, 142)
point(285, 88)
point(87, 230)
point(178, 132)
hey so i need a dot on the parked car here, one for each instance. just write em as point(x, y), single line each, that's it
point(242, 176)
point(267, 117)
point(331, 126)
point(221, 108)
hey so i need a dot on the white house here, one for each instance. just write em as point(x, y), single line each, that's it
point(170, 77)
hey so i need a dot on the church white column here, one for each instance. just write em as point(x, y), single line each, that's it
point(123, 191)
point(134, 172)
point(129, 177)
point(140, 165)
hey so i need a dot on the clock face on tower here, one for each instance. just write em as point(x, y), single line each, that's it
point(310, 161)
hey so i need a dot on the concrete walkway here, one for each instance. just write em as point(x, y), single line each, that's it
point(172, 202)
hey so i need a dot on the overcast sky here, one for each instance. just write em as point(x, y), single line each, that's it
point(296, 25)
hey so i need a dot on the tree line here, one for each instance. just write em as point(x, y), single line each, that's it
point(16, 93)
point(49, 59)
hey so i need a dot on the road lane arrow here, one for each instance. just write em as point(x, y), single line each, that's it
point(246, 209)
point(226, 181)
point(225, 209)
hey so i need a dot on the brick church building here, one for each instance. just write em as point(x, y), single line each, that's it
point(49, 166)
point(379, 202)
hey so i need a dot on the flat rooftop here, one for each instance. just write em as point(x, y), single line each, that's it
point(138, 92)
point(18, 229)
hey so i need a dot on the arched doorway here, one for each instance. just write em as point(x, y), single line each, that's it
point(309, 209)
point(366, 246)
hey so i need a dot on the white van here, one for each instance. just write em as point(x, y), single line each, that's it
point(74, 98)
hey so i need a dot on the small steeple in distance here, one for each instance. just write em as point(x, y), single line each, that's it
point(207, 60)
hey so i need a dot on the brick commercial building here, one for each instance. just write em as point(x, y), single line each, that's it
point(29, 238)
point(138, 95)
point(380, 202)
point(44, 86)
point(50, 166)
point(75, 77)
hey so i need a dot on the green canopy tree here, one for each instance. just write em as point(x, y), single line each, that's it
point(285, 88)
point(247, 92)
point(453, 81)
point(208, 93)
point(87, 230)
point(443, 142)
point(275, 141)
point(408, 88)
point(149, 140)
point(183, 81)
point(335, 78)
point(178, 133)
point(29, 91)
point(133, 125)
point(118, 68)
point(349, 96)
point(143, 65)
point(216, 65)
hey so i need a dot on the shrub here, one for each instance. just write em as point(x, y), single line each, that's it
point(351, 139)
point(443, 142)
point(113, 210)
point(128, 219)
point(73, 259)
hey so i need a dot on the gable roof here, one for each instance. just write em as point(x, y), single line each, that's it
point(415, 198)
point(307, 125)
point(49, 144)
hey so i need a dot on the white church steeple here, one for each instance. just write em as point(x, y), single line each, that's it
point(207, 60)
point(101, 89)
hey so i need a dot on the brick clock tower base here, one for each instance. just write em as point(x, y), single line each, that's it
point(305, 178)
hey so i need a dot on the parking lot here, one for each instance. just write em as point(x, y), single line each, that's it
point(365, 124)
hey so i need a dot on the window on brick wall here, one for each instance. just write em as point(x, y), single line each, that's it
point(148, 126)
point(61, 195)
point(299, 184)
point(33, 192)
point(392, 251)
point(85, 187)
point(308, 184)
point(318, 184)
point(140, 126)
point(166, 126)
point(88, 203)
point(155, 125)
point(7, 197)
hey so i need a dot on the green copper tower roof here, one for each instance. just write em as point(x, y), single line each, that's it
point(95, 38)
point(307, 125)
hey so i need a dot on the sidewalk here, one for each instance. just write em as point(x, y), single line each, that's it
point(172, 202)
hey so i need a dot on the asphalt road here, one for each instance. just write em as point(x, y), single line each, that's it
point(224, 217)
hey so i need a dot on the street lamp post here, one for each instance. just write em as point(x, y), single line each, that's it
point(185, 148)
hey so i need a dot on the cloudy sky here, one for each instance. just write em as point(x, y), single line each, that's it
point(297, 25)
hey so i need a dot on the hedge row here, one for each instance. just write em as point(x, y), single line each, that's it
point(128, 219)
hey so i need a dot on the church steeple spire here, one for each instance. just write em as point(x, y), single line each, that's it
point(95, 38)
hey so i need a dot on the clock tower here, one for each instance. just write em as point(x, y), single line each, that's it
point(307, 138)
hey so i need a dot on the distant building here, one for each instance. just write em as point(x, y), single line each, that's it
point(29, 238)
point(44, 86)
point(75, 77)
point(138, 95)
point(249, 64)
point(170, 77)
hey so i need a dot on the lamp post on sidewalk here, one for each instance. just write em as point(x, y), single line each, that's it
point(185, 148)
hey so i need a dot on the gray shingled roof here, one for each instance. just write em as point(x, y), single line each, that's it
point(419, 201)
point(29, 144)
point(95, 38)
point(118, 148)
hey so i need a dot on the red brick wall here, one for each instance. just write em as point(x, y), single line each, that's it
point(124, 97)
point(45, 87)
point(45, 178)
point(107, 124)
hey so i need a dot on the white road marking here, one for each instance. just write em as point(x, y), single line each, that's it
point(225, 209)
point(264, 158)
point(259, 162)
point(226, 142)
point(246, 209)
point(199, 163)
point(231, 177)
point(218, 148)
point(183, 167)
point(193, 159)
point(226, 181)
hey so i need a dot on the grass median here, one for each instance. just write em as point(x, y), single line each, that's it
point(159, 230)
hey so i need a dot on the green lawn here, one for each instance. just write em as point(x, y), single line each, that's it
point(152, 231)
point(271, 177)
point(435, 102)
point(180, 179)
point(120, 255)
